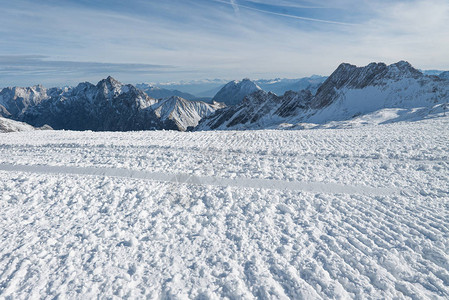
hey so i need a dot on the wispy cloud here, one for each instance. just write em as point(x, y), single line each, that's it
point(139, 40)
point(39, 66)
point(235, 5)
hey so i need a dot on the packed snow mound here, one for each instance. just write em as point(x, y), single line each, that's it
point(357, 213)
point(234, 92)
point(348, 93)
point(184, 113)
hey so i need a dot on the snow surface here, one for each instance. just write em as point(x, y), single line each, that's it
point(8, 125)
point(334, 213)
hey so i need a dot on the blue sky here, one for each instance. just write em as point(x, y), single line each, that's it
point(57, 42)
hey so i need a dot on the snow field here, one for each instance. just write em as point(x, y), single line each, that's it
point(363, 213)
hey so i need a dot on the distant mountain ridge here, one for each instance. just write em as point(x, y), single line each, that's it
point(280, 86)
point(209, 88)
point(444, 75)
point(161, 93)
point(349, 92)
point(107, 106)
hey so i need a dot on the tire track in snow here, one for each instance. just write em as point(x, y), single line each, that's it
point(316, 187)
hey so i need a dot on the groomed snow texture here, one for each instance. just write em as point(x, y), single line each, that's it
point(335, 213)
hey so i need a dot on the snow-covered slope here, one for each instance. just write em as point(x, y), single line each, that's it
point(184, 113)
point(8, 125)
point(234, 92)
point(352, 91)
point(349, 92)
point(358, 213)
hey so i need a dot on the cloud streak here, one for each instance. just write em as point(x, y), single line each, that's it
point(40, 67)
point(174, 40)
point(234, 4)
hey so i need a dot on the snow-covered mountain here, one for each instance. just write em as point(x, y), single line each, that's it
point(184, 113)
point(234, 92)
point(109, 105)
point(161, 93)
point(348, 93)
point(258, 111)
point(14, 101)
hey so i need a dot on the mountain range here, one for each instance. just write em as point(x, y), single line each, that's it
point(108, 105)
point(349, 92)
point(374, 93)
point(206, 89)
point(161, 93)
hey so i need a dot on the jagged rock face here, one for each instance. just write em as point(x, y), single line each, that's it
point(109, 105)
point(14, 101)
point(234, 92)
point(183, 113)
point(258, 110)
point(350, 91)
point(352, 77)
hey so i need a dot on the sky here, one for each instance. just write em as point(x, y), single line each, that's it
point(63, 42)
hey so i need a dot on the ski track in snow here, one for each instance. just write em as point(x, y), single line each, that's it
point(333, 188)
point(354, 213)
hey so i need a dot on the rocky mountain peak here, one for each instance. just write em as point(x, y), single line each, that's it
point(403, 69)
point(234, 92)
point(110, 85)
